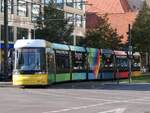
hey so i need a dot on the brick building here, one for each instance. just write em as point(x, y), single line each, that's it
point(119, 14)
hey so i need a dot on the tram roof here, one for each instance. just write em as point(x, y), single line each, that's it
point(78, 48)
point(31, 43)
point(120, 52)
point(60, 46)
point(107, 51)
point(92, 50)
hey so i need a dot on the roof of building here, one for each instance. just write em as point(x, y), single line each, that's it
point(118, 11)
point(107, 6)
point(120, 22)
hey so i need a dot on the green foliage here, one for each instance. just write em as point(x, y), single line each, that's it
point(141, 30)
point(103, 35)
point(55, 27)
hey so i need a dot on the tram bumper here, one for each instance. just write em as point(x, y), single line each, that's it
point(27, 79)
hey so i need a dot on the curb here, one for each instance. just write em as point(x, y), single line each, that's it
point(5, 84)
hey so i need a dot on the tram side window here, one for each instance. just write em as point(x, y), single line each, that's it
point(78, 61)
point(91, 60)
point(107, 60)
point(62, 61)
point(122, 62)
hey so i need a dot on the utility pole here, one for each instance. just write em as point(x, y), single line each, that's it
point(6, 37)
point(129, 53)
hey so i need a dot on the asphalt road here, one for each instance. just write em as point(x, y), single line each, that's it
point(85, 97)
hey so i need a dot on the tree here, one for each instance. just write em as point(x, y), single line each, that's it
point(141, 30)
point(103, 35)
point(55, 27)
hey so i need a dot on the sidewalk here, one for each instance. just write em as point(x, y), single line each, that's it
point(147, 73)
point(5, 84)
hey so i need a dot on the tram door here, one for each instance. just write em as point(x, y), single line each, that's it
point(51, 67)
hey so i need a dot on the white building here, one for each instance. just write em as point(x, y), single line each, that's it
point(136, 5)
point(22, 14)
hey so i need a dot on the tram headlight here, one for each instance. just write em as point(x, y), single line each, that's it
point(16, 72)
point(40, 73)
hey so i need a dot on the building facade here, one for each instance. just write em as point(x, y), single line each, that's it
point(22, 17)
point(75, 13)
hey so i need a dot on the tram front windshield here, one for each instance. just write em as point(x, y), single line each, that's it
point(29, 60)
point(136, 62)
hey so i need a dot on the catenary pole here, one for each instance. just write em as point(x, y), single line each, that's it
point(129, 53)
point(6, 38)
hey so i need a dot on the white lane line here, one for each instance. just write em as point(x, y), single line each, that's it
point(89, 106)
point(71, 94)
point(95, 105)
point(68, 95)
point(80, 107)
point(112, 98)
point(65, 93)
point(143, 103)
point(59, 95)
point(117, 110)
point(112, 94)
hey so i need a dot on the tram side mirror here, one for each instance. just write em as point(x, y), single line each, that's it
point(11, 55)
point(10, 52)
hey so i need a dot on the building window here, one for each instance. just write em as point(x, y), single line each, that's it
point(2, 32)
point(10, 6)
point(22, 33)
point(69, 17)
point(35, 11)
point(22, 8)
point(79, 21)
point(70, 3)
point(10, 33)
point(46, 2)
point(59, 3)
point(79, 4)
point(2, 5)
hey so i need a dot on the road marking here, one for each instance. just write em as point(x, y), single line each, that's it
point(80, 107)
point(112, 94)
point(63, 95)
point(92, 99)
point(86, 106)
point(68, 94)
point(118, 110)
